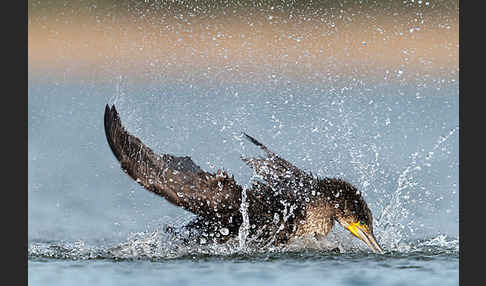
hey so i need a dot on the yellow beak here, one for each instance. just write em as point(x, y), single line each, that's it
point(364, 233)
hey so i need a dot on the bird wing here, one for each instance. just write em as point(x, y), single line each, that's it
point(279, 174)
point(177, 179)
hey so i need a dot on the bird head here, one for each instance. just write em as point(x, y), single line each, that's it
point(360, 224)
point(352, 212)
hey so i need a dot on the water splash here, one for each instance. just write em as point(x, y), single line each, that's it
point(443, 139)
point(392, 230)
point(245, 226)
point(154, 246)
point(391, 223)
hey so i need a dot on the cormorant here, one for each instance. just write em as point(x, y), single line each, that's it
point(286, 203)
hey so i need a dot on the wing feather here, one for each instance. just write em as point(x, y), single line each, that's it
point(177, 179)
point(280, 175)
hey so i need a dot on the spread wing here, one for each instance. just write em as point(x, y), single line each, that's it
point(279, 174)
point(178, 179)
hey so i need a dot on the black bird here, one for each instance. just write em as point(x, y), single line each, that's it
point(286, 203)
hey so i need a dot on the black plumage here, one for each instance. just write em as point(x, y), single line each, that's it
point(287, 202)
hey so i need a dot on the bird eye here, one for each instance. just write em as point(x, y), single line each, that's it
point(362, 223)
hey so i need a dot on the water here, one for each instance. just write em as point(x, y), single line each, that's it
point(426, 263)
point(89, 223)
point(273, 270)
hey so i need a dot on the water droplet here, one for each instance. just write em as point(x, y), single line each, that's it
point(224, 231)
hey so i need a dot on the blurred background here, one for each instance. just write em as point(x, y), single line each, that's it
point(363, 90)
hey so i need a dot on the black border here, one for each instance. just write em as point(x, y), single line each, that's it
point(14, 141)
point(471, 144)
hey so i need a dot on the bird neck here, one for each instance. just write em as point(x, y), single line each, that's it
point(319, 219)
